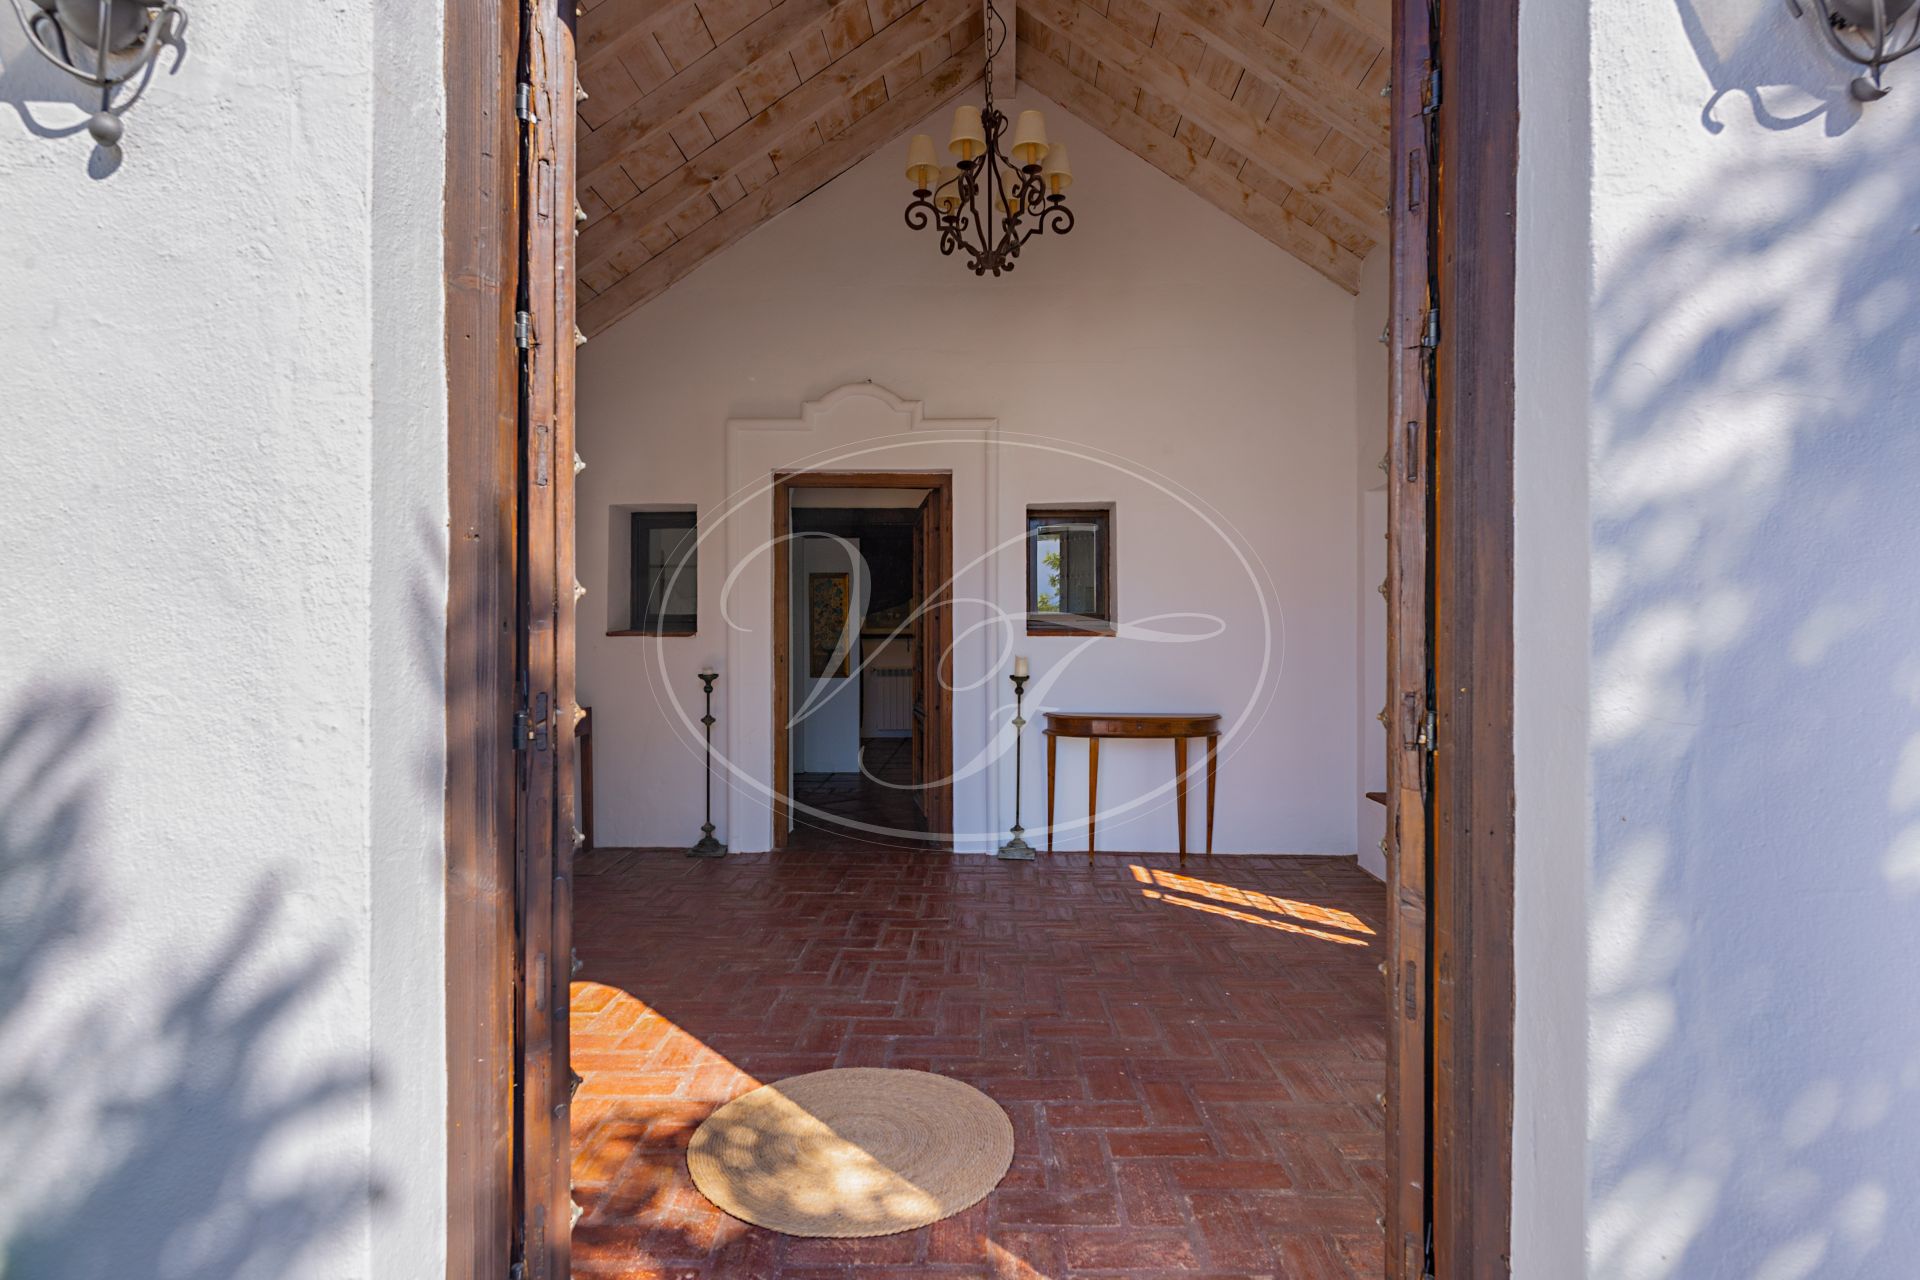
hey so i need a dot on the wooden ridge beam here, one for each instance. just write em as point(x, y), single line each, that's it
point(1227, 120)
point(1346, 107)
point(929, 23)
point(771, 36)
point(813, 171)
point(1210, 181)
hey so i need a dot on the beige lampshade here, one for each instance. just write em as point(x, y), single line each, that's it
point(922, 165)
point(1029, 138)
point(1056, 169)
point(969, 136)
point(947, 194)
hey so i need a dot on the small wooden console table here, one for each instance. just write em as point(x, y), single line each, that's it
point(1095, 725)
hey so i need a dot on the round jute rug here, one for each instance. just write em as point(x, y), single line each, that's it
point(860, 1151)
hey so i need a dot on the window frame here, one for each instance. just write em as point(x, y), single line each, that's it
point(640, 524)
point(1102, 621)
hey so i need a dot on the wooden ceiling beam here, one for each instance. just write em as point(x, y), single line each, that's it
point(611, 29)
point(1227, 120)
point(1370, 18)
point(1005, 57)
point(1210, 181)
point(813, 171)
point(1346, 107)
point(773, 35)
point(927, 24)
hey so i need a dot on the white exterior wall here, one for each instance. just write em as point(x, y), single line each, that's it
point(1159, 332)
point(221, 729)
point(1718, 736)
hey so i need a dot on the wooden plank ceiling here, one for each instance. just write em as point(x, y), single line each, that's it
point(707, 117)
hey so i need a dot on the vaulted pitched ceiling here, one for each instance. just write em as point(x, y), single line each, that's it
point(707, 117)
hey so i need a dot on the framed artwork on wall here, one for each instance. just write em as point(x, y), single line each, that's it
point(829, 649)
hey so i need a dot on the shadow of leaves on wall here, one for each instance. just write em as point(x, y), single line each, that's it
point(196, 1142)
point(1755, 1065)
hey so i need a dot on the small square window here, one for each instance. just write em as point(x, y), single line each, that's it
point(1069, 571)
point(666, 587)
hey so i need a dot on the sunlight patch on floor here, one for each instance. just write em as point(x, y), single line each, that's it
point(1332, 917)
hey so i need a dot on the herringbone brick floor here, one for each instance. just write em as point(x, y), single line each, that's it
point(1190, 1058)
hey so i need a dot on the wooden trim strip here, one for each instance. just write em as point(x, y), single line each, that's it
point(482, 268)
point(1232, 123)
point(1175, 159)
point(813, 171)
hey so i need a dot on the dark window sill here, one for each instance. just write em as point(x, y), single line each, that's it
point(1090, 627)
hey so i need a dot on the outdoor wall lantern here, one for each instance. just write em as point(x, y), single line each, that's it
point(1869, 32)
point(105, 43)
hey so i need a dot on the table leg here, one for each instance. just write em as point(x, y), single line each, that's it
point(1093, 789)
point(1180, 791)
point(1051, 740)
point(1213, 764)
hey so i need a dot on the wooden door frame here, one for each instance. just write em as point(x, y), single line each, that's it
point(1469, 983)
point(1450, 979)
point(940, 712)
point(482, 221)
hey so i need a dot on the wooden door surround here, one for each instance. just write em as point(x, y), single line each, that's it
point(1450, 792)
point(933, 635)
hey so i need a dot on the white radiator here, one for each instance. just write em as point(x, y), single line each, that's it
point(889, 703)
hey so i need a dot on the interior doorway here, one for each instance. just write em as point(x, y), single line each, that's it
point(863, 637)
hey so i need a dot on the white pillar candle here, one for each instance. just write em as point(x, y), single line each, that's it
point(1020, 666)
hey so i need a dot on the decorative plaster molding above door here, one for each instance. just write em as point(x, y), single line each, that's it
point(860, 427)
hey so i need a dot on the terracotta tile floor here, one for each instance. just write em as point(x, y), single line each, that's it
point(1190, 1057)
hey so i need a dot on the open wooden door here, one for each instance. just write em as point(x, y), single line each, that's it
point(544, 731)
point(1409, 652)
point(933, 662)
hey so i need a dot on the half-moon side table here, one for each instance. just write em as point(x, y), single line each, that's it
point(1095, 725)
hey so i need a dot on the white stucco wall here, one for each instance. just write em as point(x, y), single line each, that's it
point(1161, 334)
point(1371, 395)
point(1718, 712)
point(221, 1029)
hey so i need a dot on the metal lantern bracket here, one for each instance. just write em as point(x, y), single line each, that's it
point(1872, 33)
point(146, 28)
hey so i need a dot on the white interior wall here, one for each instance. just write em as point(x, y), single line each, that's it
point(827, 711)
point(221, 722)
point(1371, 396)
point(1214, 364)
point(1718, 701)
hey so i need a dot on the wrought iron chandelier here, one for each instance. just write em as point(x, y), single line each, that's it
point(1872, 33)
point(988, 203)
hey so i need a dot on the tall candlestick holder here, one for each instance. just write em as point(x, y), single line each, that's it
point(1017, 849)
point(707, 846)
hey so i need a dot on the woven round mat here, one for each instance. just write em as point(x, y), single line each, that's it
point(860, 1151)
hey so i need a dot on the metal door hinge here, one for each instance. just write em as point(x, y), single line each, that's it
point(1429, 734)
point(530, 727)
point(1430, 329)
point(522, 329)
point(1430, 92)
point(523, 101)
point(518, 1271)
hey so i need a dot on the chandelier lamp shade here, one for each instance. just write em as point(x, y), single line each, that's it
point(1871, 33)
point(993, 193)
